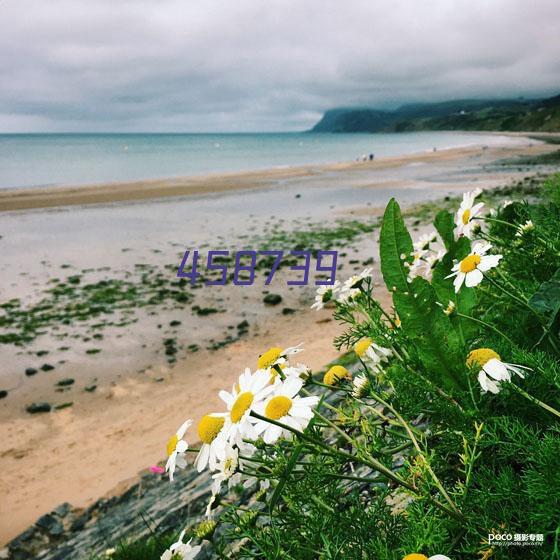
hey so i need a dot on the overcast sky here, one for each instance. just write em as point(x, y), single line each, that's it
point(251, 65)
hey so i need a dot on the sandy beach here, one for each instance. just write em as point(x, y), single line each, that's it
point(110, 433)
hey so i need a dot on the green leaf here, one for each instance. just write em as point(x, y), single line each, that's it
point(546, 300)
point(445, 226)
point(394, 241)
point(437, 342)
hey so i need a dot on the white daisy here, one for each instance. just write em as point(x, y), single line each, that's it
point(424, 241)
point(325, 294)
point(212, 436)
point(470, 269)
point(493, 371)
point(284, 407)
point(360, 385)
point(180, 550)
point(226, 469)
point(277, 356)
point(366, 348)
point(351, 287)
point(176, 447)
point(468, 210)
point(524, 228)
point(248, 392)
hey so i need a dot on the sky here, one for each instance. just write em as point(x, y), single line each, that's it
point(261, 65)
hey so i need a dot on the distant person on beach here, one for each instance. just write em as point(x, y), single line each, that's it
point(371, 157)
point(435, 149)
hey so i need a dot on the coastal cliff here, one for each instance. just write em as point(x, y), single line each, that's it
point(501, 115)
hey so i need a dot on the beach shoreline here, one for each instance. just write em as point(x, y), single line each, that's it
point(13, 199)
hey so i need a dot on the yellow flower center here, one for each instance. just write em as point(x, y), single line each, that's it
point(466, 217)
point(480, 356)
point(209, 427)
point(269, 357)
point(172, 444)
point(416, 556)
point(278, 407)
point(361, 346)
point(335, 374)
point(468, 264)
point(240, 406)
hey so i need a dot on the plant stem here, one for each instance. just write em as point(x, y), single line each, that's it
point(536, 401)
point(488, 325)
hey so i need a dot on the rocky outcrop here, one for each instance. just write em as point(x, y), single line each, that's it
point(153, 505)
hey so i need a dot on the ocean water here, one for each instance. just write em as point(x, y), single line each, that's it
point(28, 160)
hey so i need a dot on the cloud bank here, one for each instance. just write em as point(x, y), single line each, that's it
point(254, 65)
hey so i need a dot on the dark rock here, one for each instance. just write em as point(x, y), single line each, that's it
point(174, 323)
point(3, 393)
point(35, 408)
point(90, 388)
point(80, 522)
point(63, 509)
point(272, 299)
point(298, 195)
point(51, 524)
point(30, 371)
point(47, 367)
point(288, 311)
point(244, 325)
point(65, 382)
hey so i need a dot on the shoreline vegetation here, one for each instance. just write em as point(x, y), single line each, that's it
point(353, 233)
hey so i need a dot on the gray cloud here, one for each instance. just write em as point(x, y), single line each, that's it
point(213, 65)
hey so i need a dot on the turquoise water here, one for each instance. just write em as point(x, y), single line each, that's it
point(73, 159)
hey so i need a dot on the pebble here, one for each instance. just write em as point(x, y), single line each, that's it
point(3, 393)
point(65, 382)
point(35, 408)
point(47, 367)
point(272, 299)
point(30, 371)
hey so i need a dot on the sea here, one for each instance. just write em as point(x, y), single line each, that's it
point(35, 160)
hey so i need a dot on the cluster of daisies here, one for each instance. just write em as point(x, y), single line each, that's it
point(264, 403)
point(342, 293)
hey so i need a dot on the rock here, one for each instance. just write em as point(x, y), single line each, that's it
point(30, 371)
point(272, 299)
point(3, 393)
point(47, 367)
point(90, 388)
point(174, 323)
point(51, 524)
point(298, 195)
point(65, 382)
point(35, 408)
point(63, 509)
point(244, 325)
point(288, 311)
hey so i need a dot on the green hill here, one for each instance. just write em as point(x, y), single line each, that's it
point(468, 114)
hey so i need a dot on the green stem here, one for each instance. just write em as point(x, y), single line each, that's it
point(419, 450)
point(488, 325)
point(536, 401)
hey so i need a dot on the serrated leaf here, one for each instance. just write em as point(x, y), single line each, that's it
point(438, 344)
point(394, 241)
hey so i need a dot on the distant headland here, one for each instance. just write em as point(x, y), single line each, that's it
point(468, 114)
